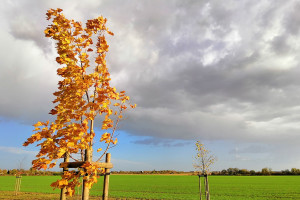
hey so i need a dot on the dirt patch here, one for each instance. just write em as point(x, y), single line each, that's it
point(10, 195)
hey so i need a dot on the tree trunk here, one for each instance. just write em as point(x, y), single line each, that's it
point(63, 191)
point(86, 190)
point(106, 178)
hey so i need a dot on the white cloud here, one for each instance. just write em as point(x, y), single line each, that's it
point(17, 150)
point(27, 79)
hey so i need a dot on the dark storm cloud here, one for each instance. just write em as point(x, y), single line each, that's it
point(241, 61)
point(197, 69)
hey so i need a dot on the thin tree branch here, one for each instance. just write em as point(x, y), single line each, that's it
point(114, 129)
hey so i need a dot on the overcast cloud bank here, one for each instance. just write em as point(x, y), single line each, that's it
point(208, 70)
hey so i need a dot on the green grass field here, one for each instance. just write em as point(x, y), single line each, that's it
point(176, 187)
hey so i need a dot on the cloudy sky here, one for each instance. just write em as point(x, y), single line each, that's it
point(223, 72)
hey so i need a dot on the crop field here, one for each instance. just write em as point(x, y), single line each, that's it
point(175, 186)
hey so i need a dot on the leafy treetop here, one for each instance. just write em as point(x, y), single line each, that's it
point(83, 93)
point(203, 159)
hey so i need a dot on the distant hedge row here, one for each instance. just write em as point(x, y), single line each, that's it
point(229, 171)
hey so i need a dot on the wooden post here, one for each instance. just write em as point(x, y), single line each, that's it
point(205, 191)
point(63, 191)
point(106, 178)
point(18, 184)
point(86, 189)
point(207, 188)
point(200, 186)
point(20, 179)
point(80, 163)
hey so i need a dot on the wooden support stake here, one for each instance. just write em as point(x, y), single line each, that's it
point(80, 163)
point(20, 179)
point(207, 188)
point(86, 178)
point(106, 178)
point(18, 184)
point(63, 191)
point(200, 186)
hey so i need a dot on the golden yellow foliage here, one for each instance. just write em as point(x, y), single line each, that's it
point(84, 92)
point(203, 159)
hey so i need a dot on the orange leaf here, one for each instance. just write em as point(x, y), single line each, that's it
point(116, 141)
point(53, 112)
point(52, 165)
point(44, 166)
point(111, 33)
point(133, 106)
point(38, 124)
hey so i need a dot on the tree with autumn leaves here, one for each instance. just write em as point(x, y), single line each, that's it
point(203, 160)
point(84, 97)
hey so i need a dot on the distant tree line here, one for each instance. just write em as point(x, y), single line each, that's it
point(30, 172)
point(150, 172)
point(229, 172)
point(265, 171)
